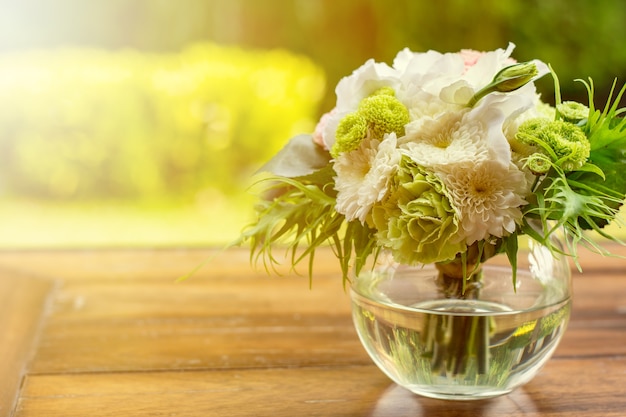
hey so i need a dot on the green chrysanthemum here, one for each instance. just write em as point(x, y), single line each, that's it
point(572, 111)
point(377, 114)
point(538, 163)
point(351, 131)
point(564, 143)
point(384, 114)
point(384, 91)
point(416, 220)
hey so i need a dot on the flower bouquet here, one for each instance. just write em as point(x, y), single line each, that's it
point(445, 159)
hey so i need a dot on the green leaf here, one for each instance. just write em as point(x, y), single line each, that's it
point(323, 178)
point(574, 207)
point(300, 157)
point(588, 167)
point(606, 132)
point(301, 217)
point(359, 239)
point(511, 248)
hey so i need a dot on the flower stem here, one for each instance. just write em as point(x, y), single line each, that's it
point(458, 342)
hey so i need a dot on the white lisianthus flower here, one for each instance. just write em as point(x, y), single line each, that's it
point(422, 104)
point(488, 197)
point(363, 176)
point(487, 65)
point(430, 72)
point(366, 79)
point(407, 61)
point(452, 77)
point(449, 76)
point(423, 68)
point(482, 68)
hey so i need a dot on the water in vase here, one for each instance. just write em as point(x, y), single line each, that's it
point(458, 348)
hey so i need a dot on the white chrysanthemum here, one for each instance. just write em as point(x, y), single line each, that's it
point(464, 135)
point(363, 176)
point(445, 140)
point(488, 197)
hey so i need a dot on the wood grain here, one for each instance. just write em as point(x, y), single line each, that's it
point(564, 388)
point(22, 305)
point(123, 338)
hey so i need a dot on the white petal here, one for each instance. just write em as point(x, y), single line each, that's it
point(362, 82)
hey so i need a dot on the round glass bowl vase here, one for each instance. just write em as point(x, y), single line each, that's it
point(478, 343)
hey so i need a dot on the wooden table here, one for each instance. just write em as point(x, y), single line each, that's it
point(91, 333)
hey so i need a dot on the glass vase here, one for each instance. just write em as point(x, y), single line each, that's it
point(441, 340)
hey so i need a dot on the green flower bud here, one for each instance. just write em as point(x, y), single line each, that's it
point(538, 163)
point(572, 111)
point(508, 79)
point(515, 76)
point(416, 220)
point(564, 143)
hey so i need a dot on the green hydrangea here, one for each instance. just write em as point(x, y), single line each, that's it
point(564, 143)
point(416, 220)
point(377, 114)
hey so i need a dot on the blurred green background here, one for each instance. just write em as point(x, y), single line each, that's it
point(140, 122)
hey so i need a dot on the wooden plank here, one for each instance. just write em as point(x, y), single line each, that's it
point(137, 264)
point(217, 321)
point(123, 338)
point(197, 343)
point(209, 322)
point(239, 342)
point(562, 389)
point(596, 294)
point(120, 328)
point(22, 307)
point(222, 296)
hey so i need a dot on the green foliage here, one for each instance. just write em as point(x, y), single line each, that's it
point(606, 130)
point(589, 196)
point(574, 207)
point(299, 215)
point(82, 124)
